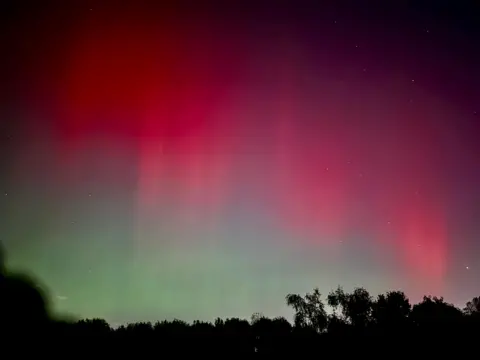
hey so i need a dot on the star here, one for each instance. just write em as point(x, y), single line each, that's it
point(467, 267)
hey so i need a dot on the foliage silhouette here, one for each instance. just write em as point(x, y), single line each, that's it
point(309, 310)
point(391, 312)
point(358, 325)
point(355, 308)
point(473, 307)
point(23, 304)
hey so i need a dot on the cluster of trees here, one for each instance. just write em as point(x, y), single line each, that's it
point(357, 318)
point(357, 323)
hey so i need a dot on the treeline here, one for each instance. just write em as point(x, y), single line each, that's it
point(358, 324)
point(358, 321)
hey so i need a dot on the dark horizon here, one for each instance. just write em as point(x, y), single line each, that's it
point(361, 324)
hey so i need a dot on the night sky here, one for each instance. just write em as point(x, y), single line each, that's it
point(193, 160)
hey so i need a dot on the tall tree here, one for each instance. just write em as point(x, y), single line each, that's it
point(355, 307)
point(309, 310)
point(472, 307)
point(391, 308)
point(435, 315)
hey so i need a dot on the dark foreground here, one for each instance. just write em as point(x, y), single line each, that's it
point(387, 326)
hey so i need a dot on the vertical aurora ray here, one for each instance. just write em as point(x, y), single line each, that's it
point(174, 165)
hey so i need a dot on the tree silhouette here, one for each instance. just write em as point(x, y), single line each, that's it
point(237, 335)
point(337, 325)
point(268, 333)
point(472, 315)
point(23, 304)
point(435, 316)
point(93, 327)
point(391, 311)
point(355, 308)
point(309, 310)
point(472, 307)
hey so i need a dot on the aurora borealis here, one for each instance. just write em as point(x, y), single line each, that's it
point(196, 161)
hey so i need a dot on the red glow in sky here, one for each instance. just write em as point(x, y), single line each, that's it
point(174, 99)
point(234, 153)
